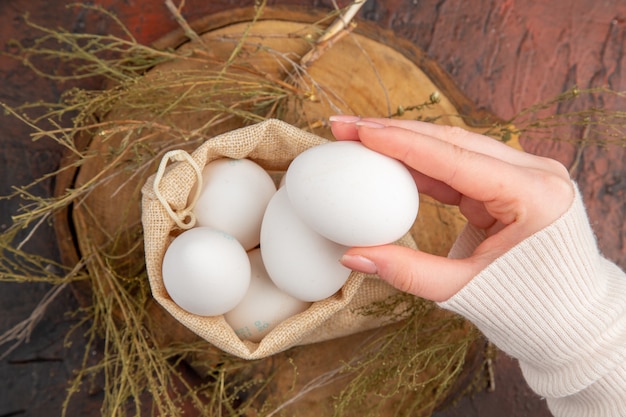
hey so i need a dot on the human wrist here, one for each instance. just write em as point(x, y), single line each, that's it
point(546, 302)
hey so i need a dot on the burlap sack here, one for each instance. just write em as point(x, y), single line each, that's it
point(272, 144)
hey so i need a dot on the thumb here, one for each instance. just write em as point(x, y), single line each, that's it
point(428, 276)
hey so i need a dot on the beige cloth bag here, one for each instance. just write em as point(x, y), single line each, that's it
point(272, 144)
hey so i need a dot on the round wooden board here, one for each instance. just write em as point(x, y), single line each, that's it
point(367, 72)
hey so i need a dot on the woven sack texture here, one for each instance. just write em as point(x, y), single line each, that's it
point(272, 144)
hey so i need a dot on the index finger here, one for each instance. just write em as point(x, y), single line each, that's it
point(477, 175)
point(346, 128)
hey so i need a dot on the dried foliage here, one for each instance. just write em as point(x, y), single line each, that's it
point(407, 370)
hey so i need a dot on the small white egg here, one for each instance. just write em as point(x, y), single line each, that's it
point(233, 198)
point(264, 306)
point(301, 262)
point(351, 194)
point(206, 271)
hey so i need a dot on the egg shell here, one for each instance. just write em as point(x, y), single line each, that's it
point(233, 198)
point(206, 271)
point(352, 195)
point(299, 261)
point(264, 305)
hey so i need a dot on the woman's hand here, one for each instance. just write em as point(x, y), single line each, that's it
point(507, 193)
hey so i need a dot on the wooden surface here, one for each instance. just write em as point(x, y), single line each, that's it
point(504, 56)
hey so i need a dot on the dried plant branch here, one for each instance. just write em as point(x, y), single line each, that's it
point(176, 12)
point(343, 21)
point(412, 367)
point(21, 332)
point(340, 27)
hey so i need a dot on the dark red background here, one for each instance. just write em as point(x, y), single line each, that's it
point(504, 55)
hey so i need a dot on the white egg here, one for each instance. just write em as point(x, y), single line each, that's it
point(264, 306)
point(301, 262)
point(233, 198)
point(206, 271)
point(351, 194)
point(282, 181)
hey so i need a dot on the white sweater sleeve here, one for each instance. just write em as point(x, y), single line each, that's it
point(554, 303)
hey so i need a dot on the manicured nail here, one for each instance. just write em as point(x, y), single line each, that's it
point(365, 123)
point(344, 118)
point(359, 263)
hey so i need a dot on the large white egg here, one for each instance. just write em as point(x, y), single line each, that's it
point(351, 194)
point(264, 306)
point(206, 271)
point(233, 198)
point(300, 261)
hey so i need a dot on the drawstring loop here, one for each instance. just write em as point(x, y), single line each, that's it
point(185, 218)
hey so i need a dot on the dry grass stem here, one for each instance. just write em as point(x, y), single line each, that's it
point(124, 131)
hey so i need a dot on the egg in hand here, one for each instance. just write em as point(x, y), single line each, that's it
point(351, 194)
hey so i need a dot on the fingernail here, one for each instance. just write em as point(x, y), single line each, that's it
point(365, 123)
point(344, 118)
point(359, 263)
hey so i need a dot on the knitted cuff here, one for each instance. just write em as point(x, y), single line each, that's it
point(553, 303)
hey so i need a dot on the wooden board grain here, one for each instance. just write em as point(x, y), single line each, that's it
point(503, 55)
point(359, 74)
